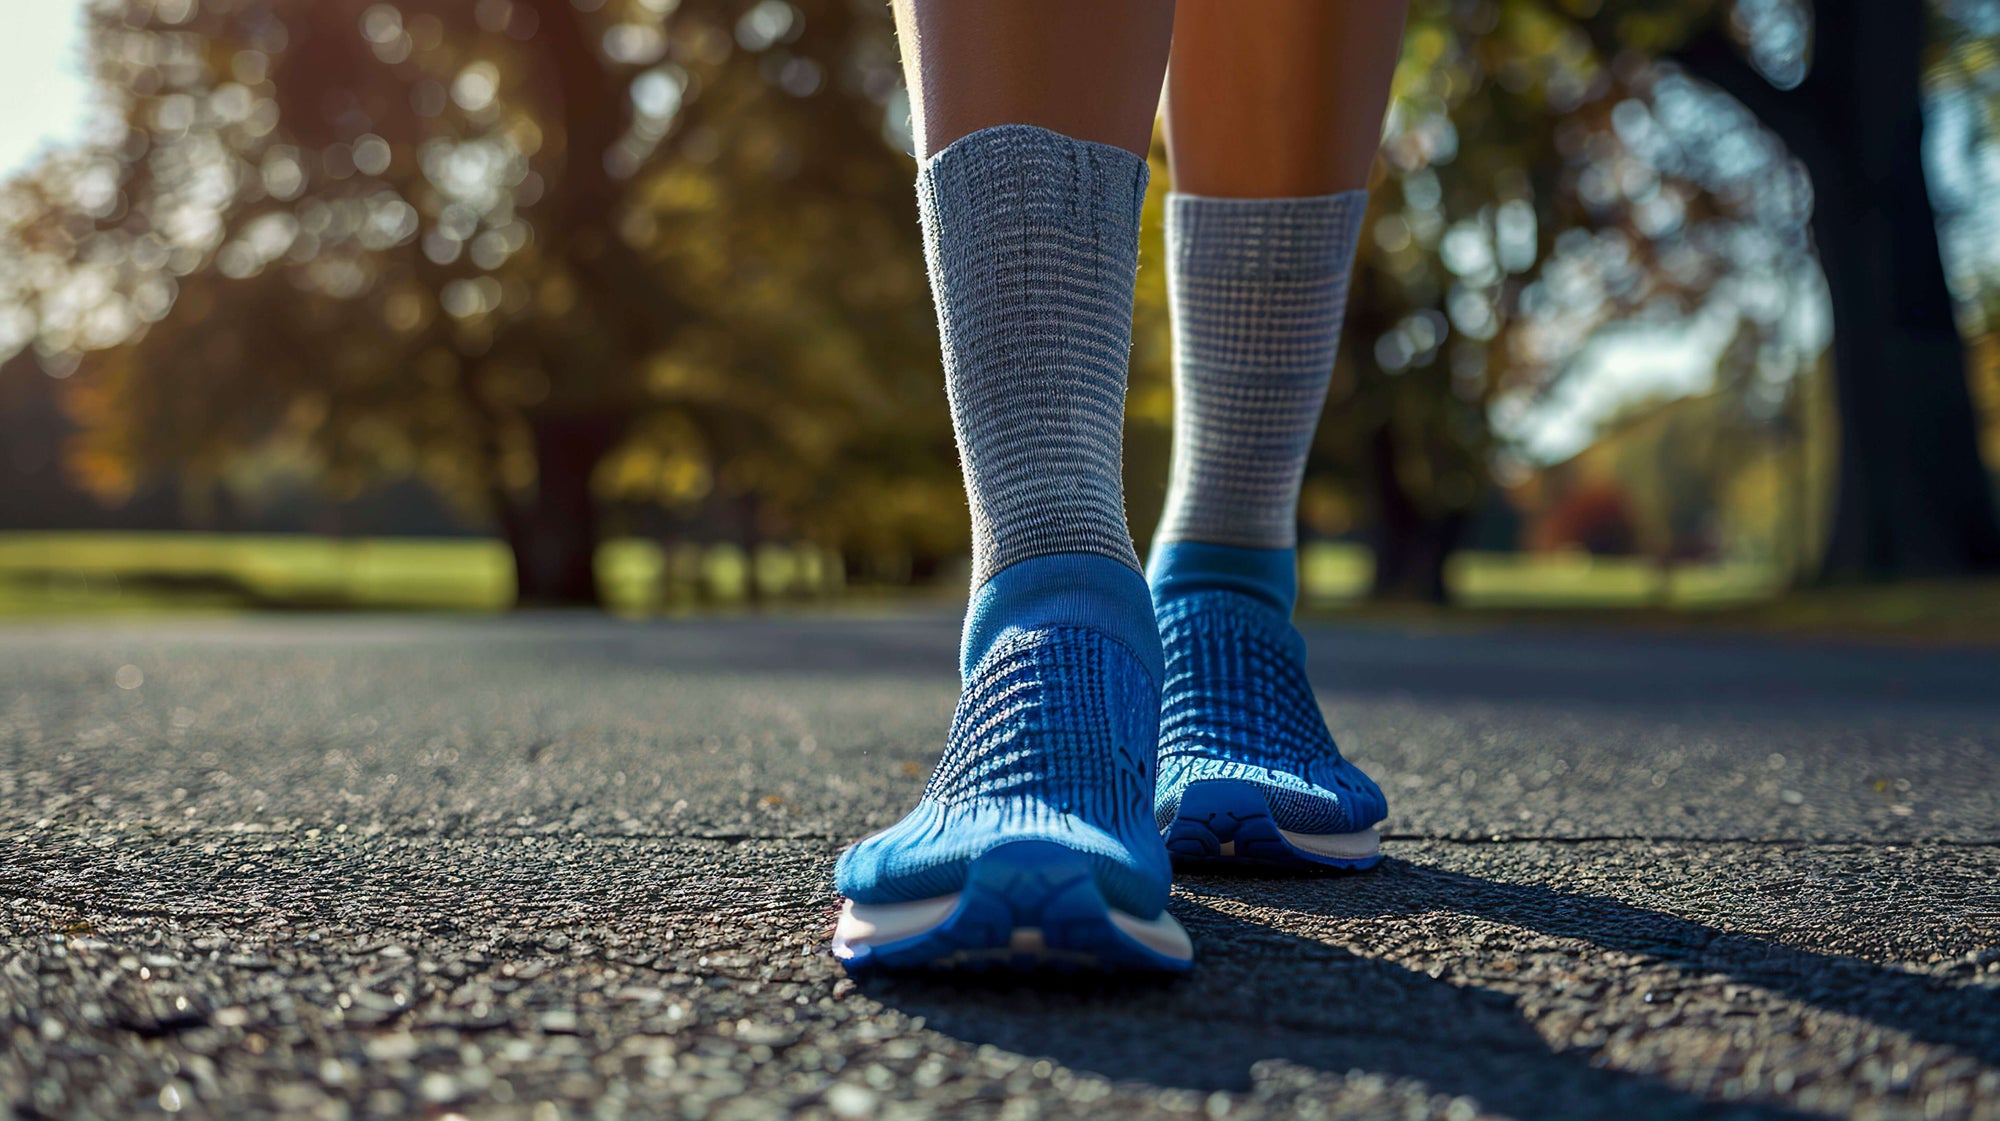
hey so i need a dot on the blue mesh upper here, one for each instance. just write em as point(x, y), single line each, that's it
point(1236, 705)
point(1053, 740)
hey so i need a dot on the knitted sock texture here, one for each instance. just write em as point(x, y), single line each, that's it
point(1032, 239)
point(1257, 289)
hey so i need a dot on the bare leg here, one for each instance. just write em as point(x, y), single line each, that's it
point(1089, 69)
point(1280, 98)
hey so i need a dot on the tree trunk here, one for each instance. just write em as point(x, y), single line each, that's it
point(1411, 547)
point(553, 531)
point(1912, 498)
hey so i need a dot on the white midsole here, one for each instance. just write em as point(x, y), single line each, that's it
point(1340, 846)
point(863, 924)
point(1163, 935)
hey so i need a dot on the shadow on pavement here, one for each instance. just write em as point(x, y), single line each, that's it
point(1923, 1007)
point(1263, 994)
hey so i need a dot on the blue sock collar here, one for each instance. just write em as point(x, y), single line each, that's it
point(1062, 590)
point(1268, 575)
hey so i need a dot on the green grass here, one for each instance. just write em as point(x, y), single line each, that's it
point(74, 574)
point(92, 573)
point(1335, 574)
point(1499, 589)
point(89, 572)
point(130, 571)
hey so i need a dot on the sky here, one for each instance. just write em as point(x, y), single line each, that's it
point(43, 96)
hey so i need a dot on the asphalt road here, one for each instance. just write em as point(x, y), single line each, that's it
point(571, 867)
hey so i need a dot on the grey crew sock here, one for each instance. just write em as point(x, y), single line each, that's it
point(1257, 288)
point(1032, 239)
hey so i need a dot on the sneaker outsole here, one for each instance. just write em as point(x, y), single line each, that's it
point(1225, 825)
point(1026, 906)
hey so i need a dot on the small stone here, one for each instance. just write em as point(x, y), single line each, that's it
point(437, 1087)
point(395, 1045)
point(846, 1099)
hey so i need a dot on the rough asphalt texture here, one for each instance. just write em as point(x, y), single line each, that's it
point(570, 867)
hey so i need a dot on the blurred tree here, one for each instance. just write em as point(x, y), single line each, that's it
point(1501, 238)
point(657, 251)
point(1842, 83)
point(1551, 169)
point(531, 250)
point(1595, 517)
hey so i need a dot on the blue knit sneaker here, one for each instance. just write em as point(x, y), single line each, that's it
point(1033, 844)
point(1248, 773)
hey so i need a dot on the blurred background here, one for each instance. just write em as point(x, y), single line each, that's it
point(1666, 309)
